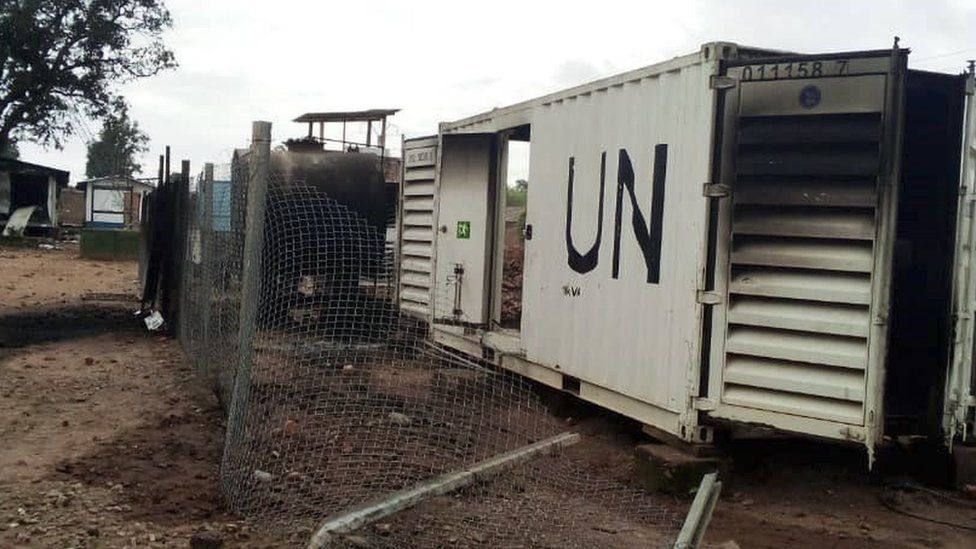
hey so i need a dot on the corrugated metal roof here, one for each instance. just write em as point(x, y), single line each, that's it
point(346, 116)
point(10, 165)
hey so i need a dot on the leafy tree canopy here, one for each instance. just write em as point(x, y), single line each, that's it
point(61, 59)
point(118, 146)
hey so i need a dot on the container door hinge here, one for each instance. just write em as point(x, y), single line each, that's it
point(854, 434)
point(719, 82)
point(716, 190)
point(704, 404)
point(706, 297)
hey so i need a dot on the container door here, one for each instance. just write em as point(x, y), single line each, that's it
point(464, 184)
point(959, 382)
point(416, 227)
point(810, 159)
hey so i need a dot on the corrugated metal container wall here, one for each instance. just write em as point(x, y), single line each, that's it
point(619, 271)
point(416, 234)
point(619, 221)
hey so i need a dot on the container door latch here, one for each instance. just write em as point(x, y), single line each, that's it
point(721, 82)
point(716, 190)
point(707, 297)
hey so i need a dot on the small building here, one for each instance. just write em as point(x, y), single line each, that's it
point(113, 201)
point(25, 184)
point(71, 208)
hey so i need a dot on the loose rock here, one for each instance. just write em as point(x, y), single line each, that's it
point(207, 540)
point(357, 541)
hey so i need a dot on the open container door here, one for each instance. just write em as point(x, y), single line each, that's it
point(959, 381)
point(810, 162)
point(465, 175)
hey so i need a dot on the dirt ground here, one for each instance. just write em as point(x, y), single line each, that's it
point(806, 494)
point(106, 440)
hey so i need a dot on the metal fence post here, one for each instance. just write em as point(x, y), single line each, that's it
point(257, 190)
point(181, 223)
point(205, 198)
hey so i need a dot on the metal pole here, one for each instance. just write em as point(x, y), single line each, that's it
point(370, 512)
point(693, 530)
point(257, 191)
point(182, 221)
point(166, 246)
point(205, 196)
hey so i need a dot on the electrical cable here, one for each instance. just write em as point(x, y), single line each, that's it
point(892, 506)
point(937, 493)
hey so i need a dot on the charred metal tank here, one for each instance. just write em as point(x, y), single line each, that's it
point(353, 179)
point(323, 259)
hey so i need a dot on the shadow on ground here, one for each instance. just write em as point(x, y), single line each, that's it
point(85, 319)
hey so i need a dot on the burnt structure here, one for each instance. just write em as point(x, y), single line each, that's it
point(341, 196)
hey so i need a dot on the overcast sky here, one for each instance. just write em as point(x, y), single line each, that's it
point(243, 60)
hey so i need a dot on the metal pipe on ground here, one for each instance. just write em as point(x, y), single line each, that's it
point(700, 514)
point(357, 517)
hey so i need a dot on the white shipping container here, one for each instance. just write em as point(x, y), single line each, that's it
point(735, 237)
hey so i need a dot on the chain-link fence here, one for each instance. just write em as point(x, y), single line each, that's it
point(340, 409)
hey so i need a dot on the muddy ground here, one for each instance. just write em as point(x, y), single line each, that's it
point(107, 440)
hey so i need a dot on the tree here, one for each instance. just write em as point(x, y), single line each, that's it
point(60, 59)
point(516, 195)
point(118, 146)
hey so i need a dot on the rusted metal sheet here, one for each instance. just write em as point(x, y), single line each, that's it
point(72, 207)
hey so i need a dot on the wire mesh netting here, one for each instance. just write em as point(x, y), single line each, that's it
point(210, 302)
point(335, 399)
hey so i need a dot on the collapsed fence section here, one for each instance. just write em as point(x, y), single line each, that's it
point(335, 400)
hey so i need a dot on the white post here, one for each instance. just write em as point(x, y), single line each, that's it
point(52, 200)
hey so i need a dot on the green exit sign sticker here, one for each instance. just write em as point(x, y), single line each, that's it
point(464, 229)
